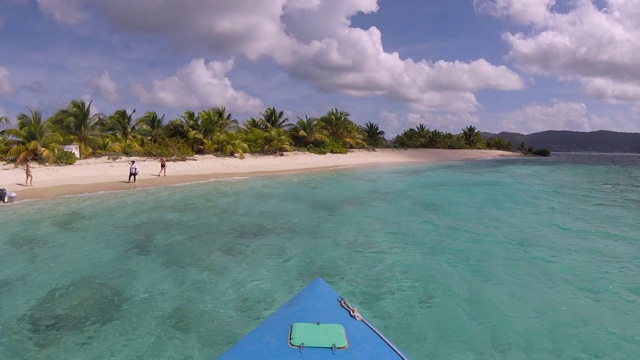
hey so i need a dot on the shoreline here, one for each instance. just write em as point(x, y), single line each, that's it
point(96, 175)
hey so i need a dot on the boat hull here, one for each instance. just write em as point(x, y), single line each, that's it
point(317, 303)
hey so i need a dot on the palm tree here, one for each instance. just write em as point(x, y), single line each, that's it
point(341, 128)
point(423, 133)
point(187, 127)
point(275, 119)
point(374, 136)
point(253, 123)
point(498, 143)
point(121, 124)
point(525, 149)
point(406, 139)
point(151, 126)
point(335, 122)
point(33, 139)
point(308, 131)
point(107, 144)
point(78, 122)
point(471, 136)
point(5, 146)
point(225, 120)
point(228, 143)
point(179, 128)
point(437, 139)
point(277, 140)
point(216, 121)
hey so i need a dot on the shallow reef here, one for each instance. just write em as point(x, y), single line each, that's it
point(71, 309)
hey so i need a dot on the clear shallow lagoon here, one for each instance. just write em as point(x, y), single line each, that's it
point(532, 258)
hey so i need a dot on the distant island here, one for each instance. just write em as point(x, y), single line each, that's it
point(602, 141)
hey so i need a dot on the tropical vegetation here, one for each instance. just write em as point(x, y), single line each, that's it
point(208, 131)
point(529, 150)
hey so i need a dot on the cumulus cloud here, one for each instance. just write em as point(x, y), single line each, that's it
point(355, 64)
point(340, 58)
point(599, 47)
point(612, 90)
point(248, 27)
point(198, 84)
point(560, 116)
point(6, 87)
point(106, 87)
point(69, 12)
point(314, 40)
point(521, 11)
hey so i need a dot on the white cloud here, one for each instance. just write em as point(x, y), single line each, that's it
point(560, 116)
point(390, 118)
point(106, 87)
point(599, 47)
point(337, 57)
point(199, 84)
point(302, 4)
point(612, 90)
point(69, 12)
point(520, 11)
point(6, 87)
point(314, 40)
point(356, 64)
point(248, 27)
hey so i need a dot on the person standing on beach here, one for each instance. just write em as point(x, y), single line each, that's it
point(29, 180)
point(163, 166)
point(133, 171)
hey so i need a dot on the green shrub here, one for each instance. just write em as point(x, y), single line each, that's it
point(498, 143)
point(65, 157)
point(255, 140)
point(316, 150)
point(171, 149)
point(334, 147)
point(541, 152)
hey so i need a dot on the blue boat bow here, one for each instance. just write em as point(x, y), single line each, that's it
point(318, 303)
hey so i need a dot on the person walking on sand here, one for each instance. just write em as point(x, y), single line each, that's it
point(29, 181)
point(133, 171)
point(163, 166)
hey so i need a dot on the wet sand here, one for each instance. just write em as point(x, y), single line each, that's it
point(100, 174)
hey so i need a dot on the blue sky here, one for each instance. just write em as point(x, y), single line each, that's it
point(500, 65)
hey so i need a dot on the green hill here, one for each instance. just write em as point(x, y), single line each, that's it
point(574, 141)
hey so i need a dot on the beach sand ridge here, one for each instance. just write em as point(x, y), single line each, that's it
point(101, 174)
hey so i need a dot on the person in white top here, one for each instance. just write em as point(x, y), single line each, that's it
point(133, 171)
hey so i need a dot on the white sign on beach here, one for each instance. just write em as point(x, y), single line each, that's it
point(75, 149)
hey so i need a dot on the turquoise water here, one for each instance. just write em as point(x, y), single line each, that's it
point(528, 258)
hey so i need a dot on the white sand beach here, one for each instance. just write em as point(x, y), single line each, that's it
point(100, 174)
